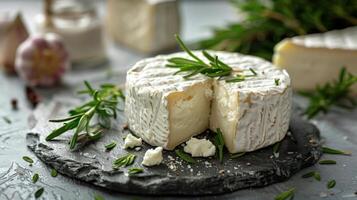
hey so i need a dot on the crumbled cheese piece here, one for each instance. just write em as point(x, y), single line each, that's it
point(200, 147)
point(132, 141)
point(153, 157)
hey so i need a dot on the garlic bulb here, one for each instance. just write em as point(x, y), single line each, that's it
point(42, 60)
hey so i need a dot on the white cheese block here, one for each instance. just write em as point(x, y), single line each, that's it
point(153, 157)
point(165, 109)
point(200, 148)
point(132, 141)
point(147, 26)
point(317, 58)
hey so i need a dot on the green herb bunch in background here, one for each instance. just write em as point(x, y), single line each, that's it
point(268, 22)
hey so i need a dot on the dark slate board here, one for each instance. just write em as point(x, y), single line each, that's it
point(91, 163)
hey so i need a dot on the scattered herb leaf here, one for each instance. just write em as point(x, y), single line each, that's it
point(277, 81)
point(331, 184)
point(98, 197)
point(289, 194)
point(27, 159)
point(219, 143)
point(329, 150)
point(334, 93)
point(7, 120)
point(327, 162)
point(54, 173)
point(35, 177)
point(237, 155)
point(103, 105)
point(184, 156)
point(134, 170)
point(39, 192)
point(124, 161)
point(314, 174)
point(276, 149)
point(110, 146)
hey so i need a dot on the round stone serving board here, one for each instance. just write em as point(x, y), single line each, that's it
point(92, 164)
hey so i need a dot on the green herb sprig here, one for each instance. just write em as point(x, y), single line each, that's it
point(103, 105)
point(110, 146)
point(54, 173)
point(314, 174)
point(289, 194)
point(124, 161)
point(329, 150)
point(327, 162)
point(266, 23)
point(219, 143)
point(27, 159)
point(35, 177)
point(184, 156)
point(135, 170)
point(334, 93)
point(39, 192)
point(331, 184)
point(214, 68)
point(237, 155)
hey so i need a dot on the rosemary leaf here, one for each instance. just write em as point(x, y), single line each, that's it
point(98, 197)
point(27, 159)
point(219, 143)
point(54, 173)
point(184, 156)
point(124, 161)
point(276, 149)
point(289, 194)
point(134, 170)
point(39, 192)
point(331, 184)
point(35, 178)
point(314, 174)
point(277, 81)
point(7, 120)
point(237, 155)
point(110, 146)
point(327, 162)
point(329, 150)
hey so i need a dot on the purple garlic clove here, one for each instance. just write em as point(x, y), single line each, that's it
point(42, 60)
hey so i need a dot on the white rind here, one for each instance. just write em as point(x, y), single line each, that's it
point(252, 114)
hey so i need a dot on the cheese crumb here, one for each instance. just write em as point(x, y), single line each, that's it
point(132, 141)
point(200, 147)
point(153, 157)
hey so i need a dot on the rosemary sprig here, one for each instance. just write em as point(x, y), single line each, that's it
point(289, 194)
point(329, 150)
point(28, 159)
point(268, 22)
point(334, 93)
point(331, 184)
point(124, 161)
point(110, 146)
point(39, 192)
point(184, 156)
point(214, 68)
point(103, 105)
point(327, 162)
point(219, 143)
point(135, 170)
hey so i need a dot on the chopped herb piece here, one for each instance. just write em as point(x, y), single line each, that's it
point(103, 107)
point(39, 192)
point(110, 146)
point(331, 184)
point(54, 173)
point(219, 143)
point(316, 175)
point(335, 93)
point(329, 150)
point(184, 156)
point(289, 194)
point(237, 155)
point(7, 120)
point(277, 81)
point(124, 161)
point(327, 162)
point(35, 177)
point(98, 197)
point(135, 171)
point(27, 159)
point(253, 71)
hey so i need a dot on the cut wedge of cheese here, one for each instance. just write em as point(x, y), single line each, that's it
point(165, 109)
point(317, 58)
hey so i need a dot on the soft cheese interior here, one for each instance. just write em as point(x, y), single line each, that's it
point(165, 110)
